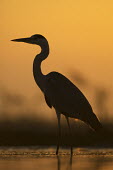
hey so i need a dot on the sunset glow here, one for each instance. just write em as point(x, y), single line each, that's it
point(80, 34)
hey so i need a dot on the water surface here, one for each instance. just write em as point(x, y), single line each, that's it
point(35, 158)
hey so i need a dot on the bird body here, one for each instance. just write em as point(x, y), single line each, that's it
point(64, 96)
point(59, 91)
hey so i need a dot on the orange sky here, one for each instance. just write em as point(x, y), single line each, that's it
point(80, 34)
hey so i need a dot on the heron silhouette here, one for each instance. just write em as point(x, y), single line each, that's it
point(59, 91)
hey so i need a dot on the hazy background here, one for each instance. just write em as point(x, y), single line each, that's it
point(80, 34)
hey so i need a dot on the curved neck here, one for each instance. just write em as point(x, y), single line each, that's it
point(44, 51)
point(37, 73)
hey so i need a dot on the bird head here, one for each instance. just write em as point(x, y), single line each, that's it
point(34, 39)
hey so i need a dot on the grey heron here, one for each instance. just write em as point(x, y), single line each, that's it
point(59, 91)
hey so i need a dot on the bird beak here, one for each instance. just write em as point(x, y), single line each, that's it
point(27, 40)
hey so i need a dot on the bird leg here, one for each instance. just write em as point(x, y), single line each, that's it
point(70, 134)
point(59, 132)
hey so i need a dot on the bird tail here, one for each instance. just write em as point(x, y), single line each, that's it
point(94, 122)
